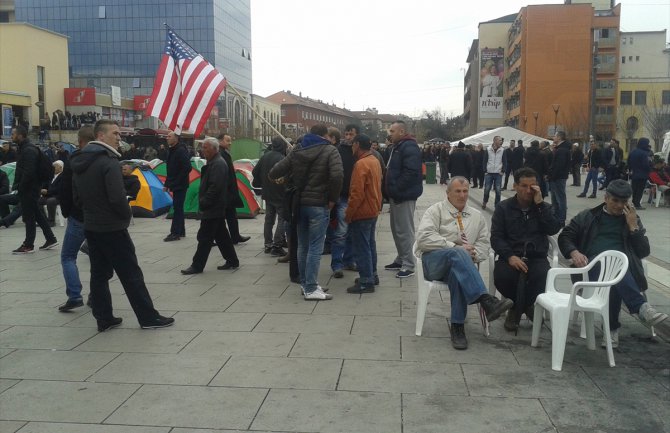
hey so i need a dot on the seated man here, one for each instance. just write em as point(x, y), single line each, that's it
point(519, 229)
point(659, 177)
point(49, 195)
point(130, 181)
point(614, 226)
point(452, 238)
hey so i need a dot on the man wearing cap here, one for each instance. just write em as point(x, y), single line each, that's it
point(614, 226)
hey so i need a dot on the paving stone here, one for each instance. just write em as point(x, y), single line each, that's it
point(346, 346)
point(11, 426)
point(31, 300)
point(267, 305)
point(139, 340)
point(213, 321)
point(355, 305)
point(457, 414)
point(87, 320)
point(6, 384)
point(305, 323)
point(40, 400)
point(405, 326)
point(631, 383)
point(480, 351)
point(402, 377)
point(630, 416)
point(39, 316)
point(190, 406)
point(273, 372)
point(166, 369)
point(184, 302)
point(242, 343)
point(338, 411)
point(53, 364)
point(40, 337)
point(43, 427)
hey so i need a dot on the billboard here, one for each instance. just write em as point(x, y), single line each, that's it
point(79, 96)
point(492, 71)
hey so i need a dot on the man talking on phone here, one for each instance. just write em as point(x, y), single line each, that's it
point(614, 226)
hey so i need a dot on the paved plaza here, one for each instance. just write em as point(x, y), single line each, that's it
point(247, 353)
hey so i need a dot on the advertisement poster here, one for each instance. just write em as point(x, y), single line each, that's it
point(492, 71)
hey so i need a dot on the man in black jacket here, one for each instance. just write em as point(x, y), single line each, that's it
point(594, 165)
point(98, 188)
point(178, 170)
point(212, 199)
point(614, 226)
point(131, 183)
point(74, 230)
point(460, 162)
point(576, 158)
point(233, 200)
point(558, 176)
point(27, 183)
point(519, 229)
point(50, 195)
point(273, 194)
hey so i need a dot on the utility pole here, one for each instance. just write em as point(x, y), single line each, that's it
point(594, 86)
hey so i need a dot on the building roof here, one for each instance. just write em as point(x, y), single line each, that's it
point(289, 98)
point(505, 19)
point(22, 24)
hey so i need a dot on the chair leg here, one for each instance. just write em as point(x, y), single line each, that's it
point(485, 322)
point(537, 325)
point(421, 305)
point(587, 323)
point(608, 337)
point(559, 335)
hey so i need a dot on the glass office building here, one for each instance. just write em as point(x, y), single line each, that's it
point(120, 42)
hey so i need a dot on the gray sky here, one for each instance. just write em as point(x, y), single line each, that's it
point(400, 57)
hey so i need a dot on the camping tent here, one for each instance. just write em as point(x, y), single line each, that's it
point(250, 206)
point(9, 169)
point(506, 132)
point(151, 201)
point(191, 206)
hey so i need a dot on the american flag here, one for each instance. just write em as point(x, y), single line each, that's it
point(186, 87)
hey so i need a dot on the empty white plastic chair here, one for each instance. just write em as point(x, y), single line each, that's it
point(589, 297)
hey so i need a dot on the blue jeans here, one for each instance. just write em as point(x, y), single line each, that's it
point(341, 243)
point(74, 237)
point(365, 249)
point(559, 201)
point(495, 179)
point(454, 267)
point(312, 224)
point(591, 177)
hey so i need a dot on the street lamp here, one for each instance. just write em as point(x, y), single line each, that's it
point(535, 116)
point(556, 108)
point(525, 120)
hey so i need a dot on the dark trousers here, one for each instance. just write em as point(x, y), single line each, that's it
point(293, 271)
point(611, 173)
point(577, 175)
point(233, 226)
point(638, 188)
point(506, 280)
point(214, 229)
point(115, 252)
point(444, 173)
point(478, 178)
point(508, 171)
point(33, 216)
point(178, 226)
point(51, 204)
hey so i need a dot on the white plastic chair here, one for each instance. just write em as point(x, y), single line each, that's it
point(424, 288)
point(60, 217)
point(594, 299)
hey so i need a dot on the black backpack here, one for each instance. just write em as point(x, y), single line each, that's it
point(45, 168)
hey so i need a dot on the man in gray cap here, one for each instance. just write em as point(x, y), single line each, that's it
point(614, 226)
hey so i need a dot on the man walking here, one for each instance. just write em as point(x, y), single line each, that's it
point(558, 176)
point(365, 203)
point(612, 158)
point(315, 169)
point(639, 166)
point(576, 158)
point(98, 188)
point(507, 157)
point(178, 170)
point(27, 184)
point(233, 200)
point(404, 185)
point(494, 162)
point(594, 165)
point(212, 200)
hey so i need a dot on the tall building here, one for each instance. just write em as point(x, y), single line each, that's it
point(120, 43)
point(557, 69)
point(644, 88)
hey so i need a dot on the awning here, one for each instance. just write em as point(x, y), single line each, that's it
point(12, 98)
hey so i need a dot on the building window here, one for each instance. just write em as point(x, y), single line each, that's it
point(637, 58)
point(665, 97)
point(630, 58)
point(640, 97)
point(102, 12)
point(626, 97)
point(283, 112)
point(40, 90)
point(631, 40)
point(623, 59)
point(623, 40)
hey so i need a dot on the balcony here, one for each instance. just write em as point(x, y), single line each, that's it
point(604, 93)
point(607, 43)
point(606, 68)
point(604, 118)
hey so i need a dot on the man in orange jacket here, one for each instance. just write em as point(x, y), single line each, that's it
point(365, 203)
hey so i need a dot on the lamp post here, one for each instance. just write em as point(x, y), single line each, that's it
point(556, 108)
point(525, 120)
point(535, 116)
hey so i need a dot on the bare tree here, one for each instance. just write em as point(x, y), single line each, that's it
point(576, 123)
point(656, 119)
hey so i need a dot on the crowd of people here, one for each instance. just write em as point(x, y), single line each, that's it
point(325, 194)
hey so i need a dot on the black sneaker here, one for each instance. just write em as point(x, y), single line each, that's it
point(404, 273)
point(71, 305)
point(158, 322)
point(24, 250)
point(458, 339)
point(338, 274)
point(358, 289)
point(393, 266)
point(277, 252)
point(227, 266)
point(104, 325)
point(511, 325)
point(376, 280)
point(493, 307)
point(49, 245)
point(171, 237)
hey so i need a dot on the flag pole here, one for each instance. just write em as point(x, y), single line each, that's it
point(238, 94)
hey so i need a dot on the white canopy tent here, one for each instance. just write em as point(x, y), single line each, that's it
point(506, 132)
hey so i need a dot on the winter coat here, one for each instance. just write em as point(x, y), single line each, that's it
point(26, 175)
point(233, 199)
point(638, 161)
point(348, 161)
point(365, 193)
point(98, 188)
point(271, 192)
point(404, 177)
point(178, 168)
point(536, 160)
point(460, 163)
point(67, 204)
point(559, 168)
point(214, 191)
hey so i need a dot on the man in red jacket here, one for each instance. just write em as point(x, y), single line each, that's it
point(365, 202)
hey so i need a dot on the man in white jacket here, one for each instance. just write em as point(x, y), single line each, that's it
point(452, 238)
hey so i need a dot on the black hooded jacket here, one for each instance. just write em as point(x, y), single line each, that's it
point(98, 188)
point(272, 192)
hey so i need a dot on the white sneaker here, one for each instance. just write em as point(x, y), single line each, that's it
point(614, 336)
point(649, 316)
point(318, 286)
point(317, 295)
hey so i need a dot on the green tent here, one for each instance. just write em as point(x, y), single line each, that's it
point(9, 170)
point(246, 148)
point(191, 205)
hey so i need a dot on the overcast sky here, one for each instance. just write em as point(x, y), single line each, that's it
point(398, 56)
